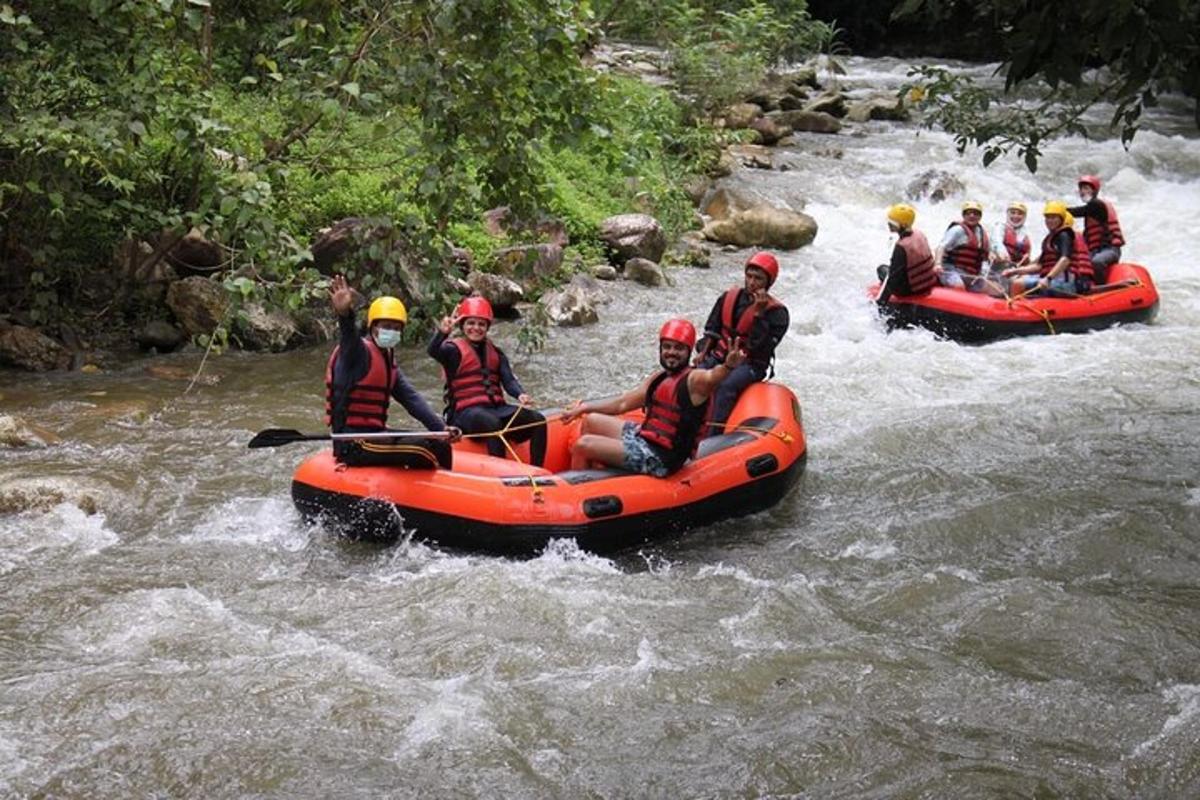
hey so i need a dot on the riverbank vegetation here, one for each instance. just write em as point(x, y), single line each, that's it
point(128, 125)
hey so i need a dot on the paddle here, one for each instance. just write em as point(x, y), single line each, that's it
point(275, 437)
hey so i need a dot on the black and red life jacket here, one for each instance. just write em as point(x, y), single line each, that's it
point(1099, 234)
point(732, 331)
point(1017, 248)
point(1081, 261)
point(365, 404)
point(918, 260)
point(672, 422)
point(968, 258)
point(474, 383)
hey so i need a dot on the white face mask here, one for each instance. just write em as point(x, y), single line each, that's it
point(387, 338)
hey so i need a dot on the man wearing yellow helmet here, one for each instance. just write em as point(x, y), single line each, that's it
point(362, 377)
point(1064, 265)
point(911, 269)
point(965, 248)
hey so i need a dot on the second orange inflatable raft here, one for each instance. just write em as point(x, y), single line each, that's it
point(504, 506)
point(972, 317)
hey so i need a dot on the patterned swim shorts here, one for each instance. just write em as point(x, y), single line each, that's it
point(640, 455)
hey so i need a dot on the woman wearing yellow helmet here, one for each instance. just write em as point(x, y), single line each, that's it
point(911, 269)
point(362, 377)
point(1064, 265)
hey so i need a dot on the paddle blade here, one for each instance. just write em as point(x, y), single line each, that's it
point(274, 437)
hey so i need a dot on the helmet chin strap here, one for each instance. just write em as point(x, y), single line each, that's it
point(662, 362)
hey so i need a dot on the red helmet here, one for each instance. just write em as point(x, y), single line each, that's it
point(1090, 180)
point(475, 307)
point(678, 330)
point(767, 263)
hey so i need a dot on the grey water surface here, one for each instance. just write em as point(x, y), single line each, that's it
point(987, 584)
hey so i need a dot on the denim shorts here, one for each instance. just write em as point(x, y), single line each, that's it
point(957, 280)
point(640, 455)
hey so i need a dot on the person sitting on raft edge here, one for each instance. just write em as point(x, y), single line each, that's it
point(911, 269)
point(477, 374)
point(1101, 228)
point(965, 248)
point(362, 377)
point(746, 317)
point(1064, 265)
point(675, 401)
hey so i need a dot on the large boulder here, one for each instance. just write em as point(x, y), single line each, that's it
point(633, 236)
point(261, 329)
point(724, 201)
point(538, 260)
point(807, 121)
point(741, 115)
point(19, 494)
point(16, 432)
point(574, 304)
point(764, 226)
point(30, 349)
point(160, 335)
point(355, 238)
point(879, 107)
point(503, 293)
point(196, 254)
point(645, 272)
point(753, 156)
point(198, 303)
point(934, 184)
point(832, 103)
point(769, 130)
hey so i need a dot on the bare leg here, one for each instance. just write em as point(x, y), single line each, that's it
point(600, 441)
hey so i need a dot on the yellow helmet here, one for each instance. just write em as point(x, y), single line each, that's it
point(972, 205)
point(1055, 208)
point(386, 308)
point(902, 214)
point(1017, 205)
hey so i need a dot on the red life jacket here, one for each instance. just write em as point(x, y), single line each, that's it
point(1099, 234)
point(672, 422)
point(730, 330)
point(365, 404)
point(1017, 248)
point(1081, 260)
point(919, 261)
point(969, 257)
point(473, 383)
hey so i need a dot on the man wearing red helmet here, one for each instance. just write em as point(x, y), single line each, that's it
point(1101, 228)
point(749, 317)
point(477, 375)
point(675, 402)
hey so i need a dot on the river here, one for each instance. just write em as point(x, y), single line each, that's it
point(985, 585)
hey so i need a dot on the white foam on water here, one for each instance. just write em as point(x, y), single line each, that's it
point(870, 551)
point(1186, 698)
point(62, 531)
point(254, 521)
point(737, 573)
point(454, 717)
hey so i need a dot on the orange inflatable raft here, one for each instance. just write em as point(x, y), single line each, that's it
point(507, 507)
point(1129, 296)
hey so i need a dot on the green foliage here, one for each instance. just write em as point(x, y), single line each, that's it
point(1147, 47)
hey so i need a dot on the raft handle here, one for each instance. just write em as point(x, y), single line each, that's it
point(1137, 301)
point(763, 464)
point(605, 506)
